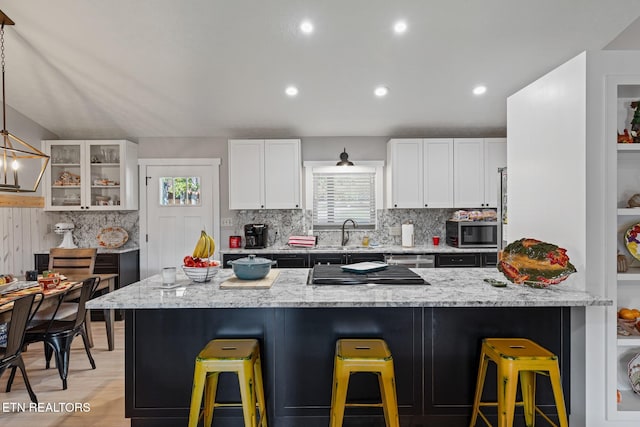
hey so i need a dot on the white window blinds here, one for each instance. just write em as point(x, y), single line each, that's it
point(341, 196)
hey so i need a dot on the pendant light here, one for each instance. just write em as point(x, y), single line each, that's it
point(15, 153)
point(344, 159)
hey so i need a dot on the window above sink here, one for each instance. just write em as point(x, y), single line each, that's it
point(338, 193)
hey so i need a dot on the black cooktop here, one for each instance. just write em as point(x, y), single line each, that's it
point(392, 275)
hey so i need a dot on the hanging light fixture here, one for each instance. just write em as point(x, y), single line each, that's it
point(344, 159)
point(14, 150)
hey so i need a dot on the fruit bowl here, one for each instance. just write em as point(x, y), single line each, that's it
point(201, 274)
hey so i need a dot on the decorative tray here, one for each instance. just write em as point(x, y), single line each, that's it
point(634, 373)
point(112, 237)
point(16, 285)
point(5, 286)
point(632, 240)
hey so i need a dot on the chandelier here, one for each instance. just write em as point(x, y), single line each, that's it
point(16, 154)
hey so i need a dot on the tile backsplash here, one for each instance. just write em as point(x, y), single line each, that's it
point(427, 223)
point(89, 224)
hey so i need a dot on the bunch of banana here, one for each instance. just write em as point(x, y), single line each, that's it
point(205, 246)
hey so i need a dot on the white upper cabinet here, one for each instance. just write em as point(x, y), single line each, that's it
point(93, 175)
point(420, 173)
point(438, 172)
point(264, 174)
point(246, 174)
point(404, 173)
point(476, 163)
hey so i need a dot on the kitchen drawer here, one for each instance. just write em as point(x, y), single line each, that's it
point(290, 260)
point(489, 259)
point(458, 260)
point(327, 258)
point(356, 257)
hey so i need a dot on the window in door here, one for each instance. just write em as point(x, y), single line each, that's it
point(180, 191)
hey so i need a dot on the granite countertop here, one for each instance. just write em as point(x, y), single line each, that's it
point(393, 249)
point(101, 250)
point(458, 287)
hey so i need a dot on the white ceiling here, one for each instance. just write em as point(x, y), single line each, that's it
point(150, 68)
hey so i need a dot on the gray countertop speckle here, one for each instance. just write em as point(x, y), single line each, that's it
point(459, 287)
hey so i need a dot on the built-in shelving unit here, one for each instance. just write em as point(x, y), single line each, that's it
point(625, 290)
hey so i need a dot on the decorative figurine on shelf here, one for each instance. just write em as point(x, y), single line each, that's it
point(635, 121)
point(625, 137)
point(68, 178)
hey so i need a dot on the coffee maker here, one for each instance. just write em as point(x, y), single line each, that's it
point(255, 236)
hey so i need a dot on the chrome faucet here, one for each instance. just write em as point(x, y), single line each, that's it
point(345, 234)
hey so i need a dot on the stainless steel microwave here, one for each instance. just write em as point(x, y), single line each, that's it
point(472, 234)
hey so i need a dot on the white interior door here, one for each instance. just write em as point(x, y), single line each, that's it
point(180, 201)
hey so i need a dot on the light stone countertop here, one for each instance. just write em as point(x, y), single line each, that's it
point(393, 249)
point(101, 250)
point(457, 287)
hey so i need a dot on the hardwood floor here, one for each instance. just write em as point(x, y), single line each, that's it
point(101, 391)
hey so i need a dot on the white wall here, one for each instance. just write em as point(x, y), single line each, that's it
point(546, 181)
point(560, 166)
point(546, 161)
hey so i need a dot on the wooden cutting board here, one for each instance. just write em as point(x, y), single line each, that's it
point(265, 283)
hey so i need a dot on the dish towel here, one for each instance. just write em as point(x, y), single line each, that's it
point(302, 241)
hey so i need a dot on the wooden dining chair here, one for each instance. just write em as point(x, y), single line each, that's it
point(76, 263)
point(11, 356)
point(57, 335)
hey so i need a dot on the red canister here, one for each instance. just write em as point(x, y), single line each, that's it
point(235, 241)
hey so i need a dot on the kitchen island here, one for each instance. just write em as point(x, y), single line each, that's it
point(434, 332)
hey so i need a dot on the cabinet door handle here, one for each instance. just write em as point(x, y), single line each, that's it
point(395, 205)
point(425, 205)
point(261, 206)
point(296, 206)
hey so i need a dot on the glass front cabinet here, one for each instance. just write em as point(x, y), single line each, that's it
point(91, 175)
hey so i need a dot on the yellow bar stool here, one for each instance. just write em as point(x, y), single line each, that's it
point(524, 358)
point(241, 356)
point(363, 355)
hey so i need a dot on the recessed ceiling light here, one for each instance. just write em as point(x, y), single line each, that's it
point(291, 91)
point(479, 90)
point(381, 91)
point(400, 27)
point(306, 27)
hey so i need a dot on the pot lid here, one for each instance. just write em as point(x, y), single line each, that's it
point(251, 260)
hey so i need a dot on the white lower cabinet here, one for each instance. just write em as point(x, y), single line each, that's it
point(264, 174)
point(98, 175)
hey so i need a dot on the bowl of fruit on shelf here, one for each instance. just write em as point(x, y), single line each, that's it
point(628, 321)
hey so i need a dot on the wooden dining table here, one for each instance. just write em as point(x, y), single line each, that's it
point(107, 281)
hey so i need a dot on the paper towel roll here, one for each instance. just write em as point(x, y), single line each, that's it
point(407, 235)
